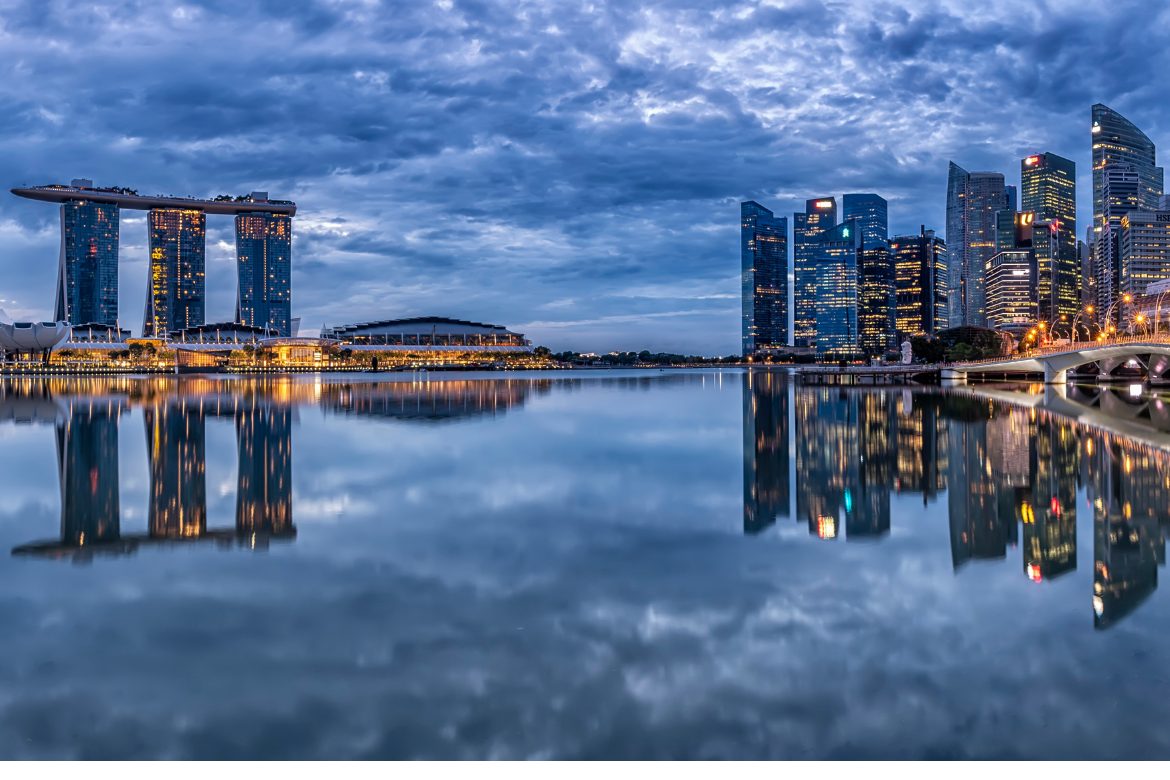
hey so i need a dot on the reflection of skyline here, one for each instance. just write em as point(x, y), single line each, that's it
point(429, 401)
point(1011, 476)
point(88, 469)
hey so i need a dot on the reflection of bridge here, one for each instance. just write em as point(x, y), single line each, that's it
point(1148, 357)
point(87, 430)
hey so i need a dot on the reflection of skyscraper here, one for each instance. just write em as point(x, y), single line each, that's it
point(1050, 520)
point(765, 449)
point(177, 450)
point(920, 446)
point(264, 492)
point(978, 527)
point(87, 462)
point(875, 472)
point(1128, 496)
point(177, 288)
point(826, 458)
point(264, 253)
point(87, 278)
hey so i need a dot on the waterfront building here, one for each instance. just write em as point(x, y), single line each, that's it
point(871, 213)
point(426, 334)
point(819, 214)
point(87, 274)
point(920, 283)
point(1011, 285)
point(1048, 190)
point(877, 304)
point(87, 288)
point(837, 283)
point(972, 202)
point(1126, 178)
point(1145, 251)
point(176, 286)
point(766, 490)
point(264, 256)
point(764, 278)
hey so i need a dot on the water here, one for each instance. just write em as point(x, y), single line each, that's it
point(595, 564)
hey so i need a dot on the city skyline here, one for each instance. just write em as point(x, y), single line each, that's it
point(410, 161)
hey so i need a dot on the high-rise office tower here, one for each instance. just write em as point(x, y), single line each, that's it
point(764, 277)
point(920, 283)
point(1117, 141)
point(1145, 250)
point(1120, 194)
point(877, 304)
point(972, 202)
point(177, 287)
point(1118, 144)
point(264, 252)
point(1049, 190)
point(871, 212)
point(87, 276)
point(807, 226)
point(837, 284)
point(1011, 285)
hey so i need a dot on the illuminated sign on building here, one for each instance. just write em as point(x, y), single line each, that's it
point(824, 204)
point(1031, 160)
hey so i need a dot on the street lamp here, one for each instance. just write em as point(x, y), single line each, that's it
point(1088, 330)
point(1127, 298)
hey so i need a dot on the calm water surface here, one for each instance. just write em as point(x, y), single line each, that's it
point(586, 565)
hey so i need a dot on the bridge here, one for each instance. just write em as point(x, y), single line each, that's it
point(1116, 360)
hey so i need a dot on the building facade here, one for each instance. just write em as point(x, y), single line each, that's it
point(1145, 250)
point(837, 283)
point(176, 292)
point(87, 276)
point(1011, 285)
point(920, 283)
point(877, 304)
point(819, 214)
point(973, 199)
point(872, 214)
point(413, 333)
point(764, 278)
point(1049, 191)
point(264, 264)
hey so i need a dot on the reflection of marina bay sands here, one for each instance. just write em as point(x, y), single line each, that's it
point(87, 281)
point(1010, 474)
point(87, 430)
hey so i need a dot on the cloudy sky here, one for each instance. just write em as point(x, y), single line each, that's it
point(572, 170)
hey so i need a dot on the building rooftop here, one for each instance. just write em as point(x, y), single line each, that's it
point(123, 197)
point(416, 321)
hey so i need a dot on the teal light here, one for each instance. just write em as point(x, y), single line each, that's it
point(848, 500)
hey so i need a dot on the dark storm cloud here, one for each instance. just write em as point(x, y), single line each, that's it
point(511, 161)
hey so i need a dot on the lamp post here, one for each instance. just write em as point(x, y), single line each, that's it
point(1089, 332)
point(1127, 298)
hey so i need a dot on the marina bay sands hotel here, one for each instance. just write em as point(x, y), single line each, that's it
point(87, 282)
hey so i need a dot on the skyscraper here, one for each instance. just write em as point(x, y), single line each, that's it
point(264, 252)
point(871, 212)
point(920, 283)
point(1011, 285)
point(1120, 194)
point(87, 276)
point(837, 283)
point(1145, 250)
point(764, 277)
point(177, 287)
point(807, 226)
point(972, 202)
point(1118, 144)
point(1049, 190)
point(877, 304)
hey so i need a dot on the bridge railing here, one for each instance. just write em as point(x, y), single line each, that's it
point(1073, 346)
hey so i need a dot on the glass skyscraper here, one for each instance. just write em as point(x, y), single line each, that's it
point(264, 254)
point(1049, 190)
point(837, 283)
point(872, 214)
point(177, 289)
point(920, 283)
point(972, 202)
point(807, 226)
point(764, 279)
point(87, 277)
point(877, 304)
